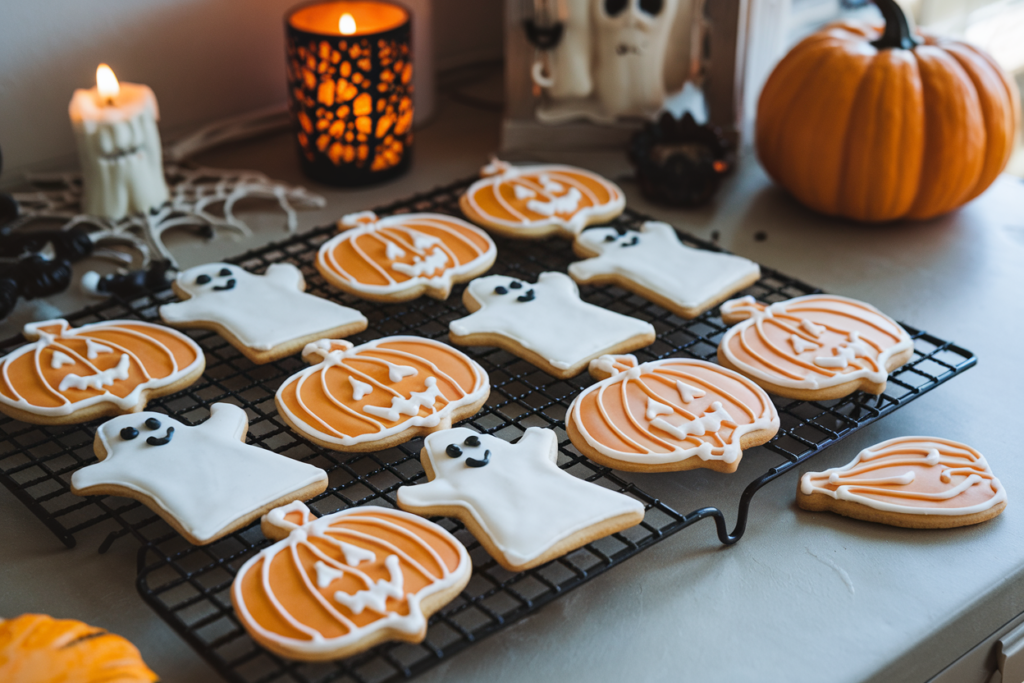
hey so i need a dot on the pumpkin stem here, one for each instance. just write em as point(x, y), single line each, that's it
point(897, 29)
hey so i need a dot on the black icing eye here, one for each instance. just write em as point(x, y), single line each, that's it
point(652, 7)
point(526, 297)
point(152, 423)
point(471, 441)
point(224, 272)
point(203, 280)
point(609, 238)
point(515, 285)
point(129, 433)
point(614, 7)
point(500, 290)
point(453, 451)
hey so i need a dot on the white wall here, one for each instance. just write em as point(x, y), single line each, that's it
point(205, 59)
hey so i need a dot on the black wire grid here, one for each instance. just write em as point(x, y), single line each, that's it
point(189, 586)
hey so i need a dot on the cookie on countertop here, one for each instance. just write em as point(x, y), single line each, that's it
point(266, 317)
point(337, 585)
point(68, 375)
point(917, 482)
point(402, 257)
point(514, 498)
point(656, 265)
point(814, 347)
point(669, 415)
point(545, 323)
point(205, 481)
point(540, 200)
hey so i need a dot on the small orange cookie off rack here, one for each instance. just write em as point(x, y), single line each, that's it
point(36, 648)
point(336, 585)
point(402, 257)
point(915, 482)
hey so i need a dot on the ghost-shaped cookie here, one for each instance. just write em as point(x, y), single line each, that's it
point(545, 323)
point(205, 481)
point(266, 317)
point(656, 265)
point(514, 498)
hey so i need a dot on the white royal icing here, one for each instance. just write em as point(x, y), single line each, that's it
point(800, 344)
point(94, 349)
point(100, 379)
point(261, 311)
point(359, 389)
point(206, 477)
point(59, 359)
point(688, 393)
point(521, 499)
point(557, 325)
point(654, 259)
point(408, 406)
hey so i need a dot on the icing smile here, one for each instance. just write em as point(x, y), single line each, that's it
point(162, 440)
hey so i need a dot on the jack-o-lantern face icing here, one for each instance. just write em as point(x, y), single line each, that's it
point(354, 398)
point(899, 481)
point(673, 414)
point(402, 257)
point(820, 344)
point(102, 368)
point(536, 201)
point(334, 586)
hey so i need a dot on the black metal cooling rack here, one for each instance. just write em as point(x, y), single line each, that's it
point(189, 586)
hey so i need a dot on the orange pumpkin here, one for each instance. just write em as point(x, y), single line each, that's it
point(334, 586)
point(105, 368)
point(35, 648)
point(880, 125)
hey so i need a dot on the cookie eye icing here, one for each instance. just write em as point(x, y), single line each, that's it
point(203, 280)
point(500, 290)
point(224, 272)
point(230, 284)
point(471, 441)
point(609, 238)
point(529, 296)
point(515, 284)
point(453, 451)
point(162, 440)
point(479, 462)
point(152, 423)
point(129, 433)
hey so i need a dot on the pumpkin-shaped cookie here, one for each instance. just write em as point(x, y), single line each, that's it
point(381, 393)
point(35, 648)
point(537, 201)
point(669, 415)
point(108, 368)
point(405, 256)
point(334, 586)
point(813, 347)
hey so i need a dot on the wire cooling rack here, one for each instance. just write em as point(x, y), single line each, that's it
point(189, 586)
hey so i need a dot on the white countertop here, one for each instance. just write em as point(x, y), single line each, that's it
point(803, 596)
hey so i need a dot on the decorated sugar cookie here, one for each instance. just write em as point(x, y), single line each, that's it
point(266, 317)
point(36, 648)
point(335, 586)
point(380, 394)
point(545, 323)
point(537, 201)
point(402, 257)
point(205, 481)
point(918, 482)
point(813, 347)
point(666, 415)
point(514, 498)
point(68, 375)
point(656, 265)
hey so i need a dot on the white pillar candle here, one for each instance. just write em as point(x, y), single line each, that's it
point(118, 147)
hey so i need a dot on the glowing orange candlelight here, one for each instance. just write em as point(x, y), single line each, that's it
point(106, 83)
point(347, 24)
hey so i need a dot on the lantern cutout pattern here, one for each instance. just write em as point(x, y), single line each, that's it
point(910, 481)
point(105, 368)
point(820, 344)
point(669, 415)
point(537, 201)
point(403, 257)
point(337, 585)
point(381, 393)
point(352, 98)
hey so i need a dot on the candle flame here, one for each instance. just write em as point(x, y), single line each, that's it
point(347, 24)
point(106, 83)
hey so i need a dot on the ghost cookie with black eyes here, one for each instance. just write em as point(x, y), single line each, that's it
point(266, 317)
point(656, 265)
point(514, 498)
point(205, 481)
point(545, 323)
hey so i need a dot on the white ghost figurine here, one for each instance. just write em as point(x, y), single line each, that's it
point(265, 316)
point(546, 323)
point(203, 480)
point(514, 498)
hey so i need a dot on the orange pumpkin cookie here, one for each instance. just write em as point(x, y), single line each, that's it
point(380, 394)
point(36, 648)
point(917, 482)
point(814, 347)
point(669, 415)
point(403, 257)
point(70, 375)
point(335, 586)
point(537, 201)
